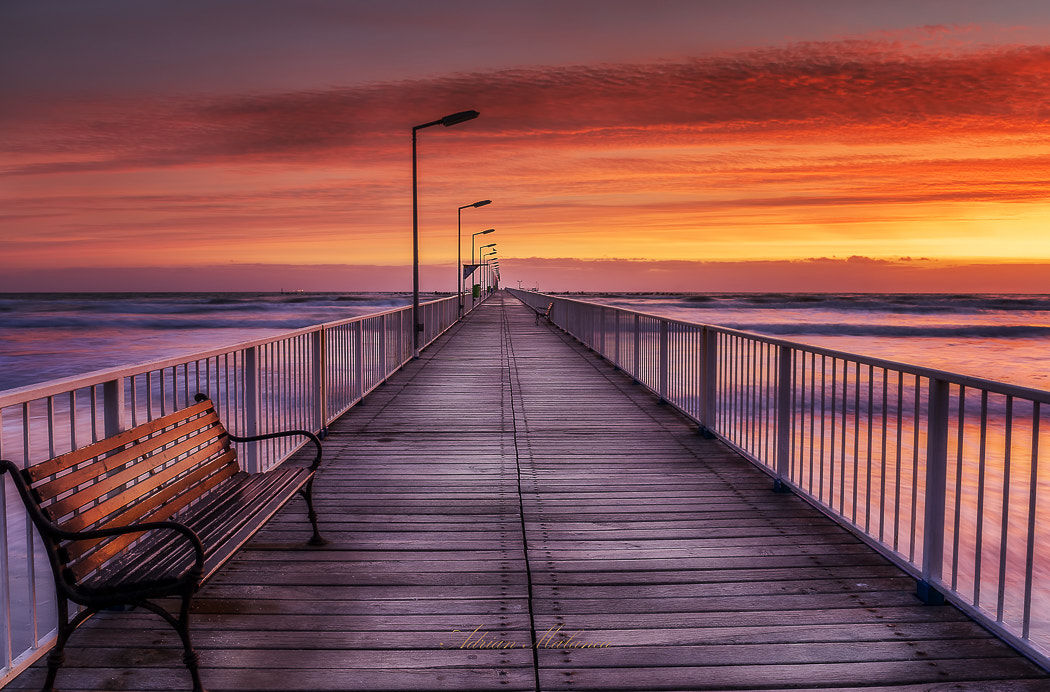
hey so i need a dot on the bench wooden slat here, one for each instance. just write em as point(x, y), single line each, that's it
point(225, 524)
point(109, 509)
point(156, 468)
point(103, 472)
point(171, 499)
point(269, 507)
point(57, 464)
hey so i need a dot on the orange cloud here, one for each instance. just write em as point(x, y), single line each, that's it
point(853, 147)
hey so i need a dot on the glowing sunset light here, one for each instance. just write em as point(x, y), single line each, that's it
point(918, 133)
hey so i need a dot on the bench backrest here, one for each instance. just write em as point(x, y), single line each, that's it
point(147, 473)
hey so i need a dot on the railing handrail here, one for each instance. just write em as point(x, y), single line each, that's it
point(32, 392)
point(1005, 388)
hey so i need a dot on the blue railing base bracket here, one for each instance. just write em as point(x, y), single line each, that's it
point(705, 432)
point(928, 593)
point(780, 486)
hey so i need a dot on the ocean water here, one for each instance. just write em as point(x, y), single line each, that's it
point(998, 337)
point(50, 336)
point(1005, 338)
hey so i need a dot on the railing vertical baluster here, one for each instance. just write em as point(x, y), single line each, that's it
point(882, 455)
point(870, 427)
point(833, 416)
point(958, 510)
point(979, 531)
point(1031, 539)
point(845, 436)
point(936, 483)
point(1004, 521)
point(6, 619)
point(823, 423)
point(50, 426)
point(899, 460)
point(915, 467)
point(812, 419)
point(856, 441)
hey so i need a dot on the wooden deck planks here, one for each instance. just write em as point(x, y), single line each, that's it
point(512, 487)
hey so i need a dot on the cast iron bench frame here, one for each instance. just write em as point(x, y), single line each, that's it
point(152, 512)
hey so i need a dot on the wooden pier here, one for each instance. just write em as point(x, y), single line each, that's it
point(510, 512)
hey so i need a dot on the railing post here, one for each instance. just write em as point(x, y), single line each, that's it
point(384, 368)
point(602, 349)
point(664, 361)
point(936, 482)
point(707, 383)
point(400, 338)
point(637, 373)
point(783, 461)
point(320, 347)
point(252, 456)
point(359, 358)
point(113, 409)
point(616, 342)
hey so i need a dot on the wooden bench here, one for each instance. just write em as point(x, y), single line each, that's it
point(545, 315)
point(152, 512)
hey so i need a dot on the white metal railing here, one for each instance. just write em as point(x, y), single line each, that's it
point(938, 471)
point(298, 380)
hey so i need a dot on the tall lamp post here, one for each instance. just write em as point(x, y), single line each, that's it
point(472, 237)
point(459, 247)
point(485, 271)
point(447, 121)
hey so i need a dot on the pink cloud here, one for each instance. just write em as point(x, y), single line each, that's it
point(808, 90)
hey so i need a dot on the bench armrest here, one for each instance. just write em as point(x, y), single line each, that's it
point(145, 527)
point(287, 433)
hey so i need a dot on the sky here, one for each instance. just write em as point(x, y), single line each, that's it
point(652, 145)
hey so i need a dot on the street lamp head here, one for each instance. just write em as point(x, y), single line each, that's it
point(485, 246)
point(457, 118)
point(491, 230)
point(481, 203)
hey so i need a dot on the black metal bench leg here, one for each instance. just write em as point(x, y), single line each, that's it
point(308, 495)
point(57, 656)
point(55, 659)
point(189, 656)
